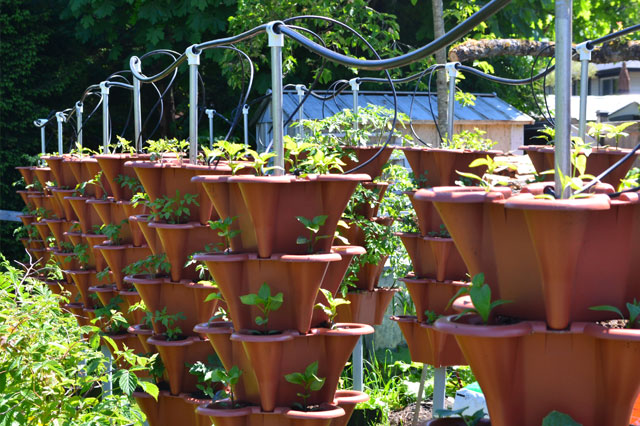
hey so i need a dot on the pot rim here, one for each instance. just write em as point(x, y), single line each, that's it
point(411, 278)
point(160, 340)
point(348, 250)
point(461, 194)
point(276, 257)
point(356, 177)
point(177, 165)
point(138, 329)
point(457, 150)
point(349, 396)
point(218, 327)
point(188, 225)
point(526, 201)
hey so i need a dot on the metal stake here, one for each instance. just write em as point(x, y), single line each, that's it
point(245, 116)
point(60, 117)
point(300, 89)
point(137, 107)
point(276, 43)
point(210, 113)
point(439, 387)
point(193, 59)
point(79, 110)
point(355, 88)
point(585, 57)
point(564, 17)
point(106, 134)
point(357, 366)
point(452, 71)
point(416, 411)
point(41, 122)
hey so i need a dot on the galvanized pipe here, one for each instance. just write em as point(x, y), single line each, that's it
point(245, 116)
point(137, 107)
point(210, 113)
point(300, 89)
point(357, 362)
point(276, 42)
point(439, 387)
point(355, 88)
point(416, 410)
point(452, 71)
point(585, 57)
point(193, 59)
point(60, 117)
point(79, 109)
point(42, 141)
point(564, 17)
point(104, 91)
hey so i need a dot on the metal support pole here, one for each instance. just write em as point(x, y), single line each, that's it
point(245, 116)
point(137, 107)
point(79, 110)
point(60, 117)
point(355, 88)
point(210, 113)
point(300, 89)
point(276, 43)
point(357, 366)
point(107, 387)
point(585, 57)
point(452, 72)
point(564, 17)
point(106, 133)
point(193, 59)
point(41, 122)
point(416, 412)
point(439, 387)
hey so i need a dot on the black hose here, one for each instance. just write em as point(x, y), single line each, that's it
point(591, 44)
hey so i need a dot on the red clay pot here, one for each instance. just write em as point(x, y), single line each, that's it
point(58, 228)
point(276, 230)
point(86, 168)
point(176, 355)
point(131, 297)
point(600, 159)
point(43, 175)
point(108, 292)
point(269, 357)
point(84, 281)
point(61, 171)
point(185, 297)
point(526, 370)
point(66, 260)
point(428, 294)
point(28, 173)
point(137, 239)
point(454, 421)
point(87, 215)
point(112, 166)
point(170, 410)
point(60, 195)
point(439, 166)
point(347, 400)
point(434, 257)
point(160, 179)
point(119, 257)
point(635, 415)
point(298, 277)
point(280, 416)
point(43, 230)
point(111, 212)
point(150, 235)
point(363, 154)
point(181, 240)
point(366, 209)
point(45, 201)
point(366, 307)
point(92, 241)
point(428, 345)
point(143, 334)
point(24, 194)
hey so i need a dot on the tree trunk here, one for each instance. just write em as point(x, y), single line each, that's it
point(441, 75)
point(471, 50)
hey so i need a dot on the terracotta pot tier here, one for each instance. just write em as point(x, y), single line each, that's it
point(106, 293)
point(170, 410)
point(61, 171)
point(160, 179)
point(143, 334)
point(181, 240)
point(87, 215)
point(366, 307)
point(266, 208)
point(112, 166)
point(526, 370)
point(43, 175)
point(363, 154)
point(150, 235)
point(280, 416)
point(119, 257)
point(112, 212)
point(84, 169)
point(439, 166)
point(131, 342)
point(265, 359)
point(94, 240)
point(66, 260)
point(183, 297)
point(516, 242)
point(24, 194)
point(428, 345)
point(176, 354)
point(298, 277)
point(58, 228)
point(84, 280)
point(434, 257)
point(43, 230)
point(60, 195)
point(347, 400)
point(365, 209)
point(432, 295)
point(27, 173)
point(600, 159)
point(46, 202)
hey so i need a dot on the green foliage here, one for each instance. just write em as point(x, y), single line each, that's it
point(556, 418)
point(264, 301)
point(110, 316)
point(211, 373)
point(154, 265)
point(224, 230)
point(131, 183)
point(332, 310)
point(260, 161)
point(480, 297)
point(231, 152)
point(81, 188)
point(492, 166)
point(168, 320)
point(471, 140)
point(103, 274)
point(81, 252)
point(173, 209)
point(431, 316)
point(441, 233)
point(313, 226)
point(634, 312)
point(161, 147)
point(309, 381)
point(609, 130)
point(112, 231)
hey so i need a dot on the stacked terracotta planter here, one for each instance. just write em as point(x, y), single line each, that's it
point(264, 210)
point(553, 259)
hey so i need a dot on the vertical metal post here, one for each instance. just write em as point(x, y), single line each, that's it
point(564, 18)
point(245, 116)
point(355, 88)
point(439, 387)
point(276, 43)
point(416, 411)
point(210, 113)
point(300, 89)
point(452, 72)
point(193, 59)
point(107, 386)
point(60, 117)
point(43, 140)
point(137, 107)
point(585, 57)
point(357, 366)
point(79, 110)
point(106, 131)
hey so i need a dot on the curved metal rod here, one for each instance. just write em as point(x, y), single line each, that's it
point(118, 84)
point(231, 40)
point(591, 44)
point(162, 74)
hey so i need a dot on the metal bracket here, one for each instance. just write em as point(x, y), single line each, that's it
point(276, 39)
point(104, 87)
point(210, 112)
point(452, 69)
point(355, 84)
point(40, 122)
point(584, 50)
point(61, 117)
point(300, 88)
point(193, 56)
point(79, 106)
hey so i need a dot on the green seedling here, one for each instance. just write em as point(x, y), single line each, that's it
point(471, 140)
point(309, 381)
point(471, 420)
point(492, 166)
point(168, 320)
point(480, 296)
point(548, 135)
point(313, 226)
point(233, 153)
point(223, 226)
point(556, 418)
point(431, 316)
point(332, 310)
point(141, 199)
point(81, 188)
point(634, 313)
point(81, 252)
point(129, 182)
point(208, 375)
point(114, 321)
point(264, 301)
point(260, 161)
point(153, 266)
point(113, 232)
point(102, 275)
point(322, 163)
point(173, 209)
point(441, 233)
point(160, 147)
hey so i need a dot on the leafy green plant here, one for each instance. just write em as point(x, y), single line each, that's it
point(233, 153)
point(492, 167)
point(471, 140)
point(208, 375)
point(161, 147)
point(480, 296)
point(260, 161)
point(81, 252)
point(313, 226)
point(153, 266)
point(548, 135)
point(112, 319)
point(556, 418)
point(113, 232)
point(129, 182)
point(634, 313)
point(322, 163)
point(102, 275)
point(332, 310)
point(309, 381)
point(264, 301)
point(471, 420)
point(609, 130)
point(75, 228)
point(431, 316)
point(168, 320)
point(441, 233)
point(173, 209)
point(122, 145)
point(81, 188)
point(224, 230)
